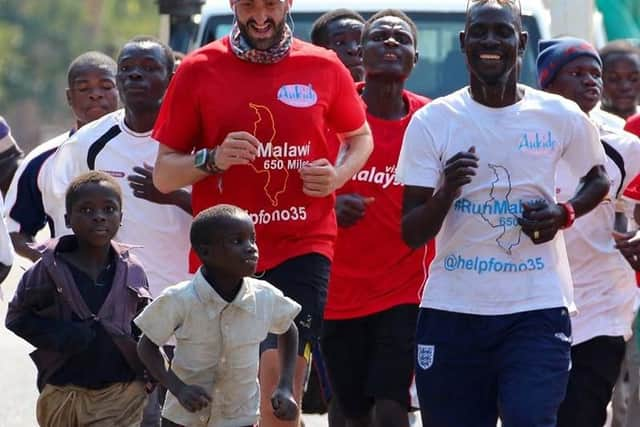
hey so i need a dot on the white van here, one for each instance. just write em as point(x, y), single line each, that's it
point(440, 69)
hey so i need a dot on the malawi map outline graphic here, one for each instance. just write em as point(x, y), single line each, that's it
point(510, 236)
point(264, 129)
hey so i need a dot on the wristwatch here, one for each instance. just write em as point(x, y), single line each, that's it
point(205, 161)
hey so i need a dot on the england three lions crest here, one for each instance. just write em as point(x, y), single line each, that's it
point(426, 354)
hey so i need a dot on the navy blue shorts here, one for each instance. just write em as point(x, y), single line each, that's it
point(304, 279)
point(472, 369)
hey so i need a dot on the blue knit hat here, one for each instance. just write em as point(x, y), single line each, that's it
point(556, 53)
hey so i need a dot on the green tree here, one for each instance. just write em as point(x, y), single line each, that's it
point(41, 37)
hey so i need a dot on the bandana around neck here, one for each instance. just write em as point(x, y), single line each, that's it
point(243, 50)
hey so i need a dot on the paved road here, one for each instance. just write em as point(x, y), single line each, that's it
point(18, 392)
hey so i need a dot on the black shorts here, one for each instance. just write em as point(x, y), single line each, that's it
point(371, 358)
point(304, 279)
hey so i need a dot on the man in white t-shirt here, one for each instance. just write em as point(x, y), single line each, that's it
point(120, 144)
point(604, 284)
point(493, 334)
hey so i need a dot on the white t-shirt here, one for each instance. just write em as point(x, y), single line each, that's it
point(484, 264)
point(604, 283)
point(600, 116)
point(6, 248)
point(161, 231)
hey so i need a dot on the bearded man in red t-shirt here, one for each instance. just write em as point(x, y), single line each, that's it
point(244, 121)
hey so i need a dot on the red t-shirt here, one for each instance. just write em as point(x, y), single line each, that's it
point(633, 124)
point(633, 189)
point(373, 269)
point(287, 106)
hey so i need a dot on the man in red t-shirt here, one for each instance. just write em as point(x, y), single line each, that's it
point(244, 121)
point(368, 335)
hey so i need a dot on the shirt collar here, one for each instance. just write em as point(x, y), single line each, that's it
point(245, 300)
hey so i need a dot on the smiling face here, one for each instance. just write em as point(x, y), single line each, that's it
point(261, 22)
point(95, 213)
point(343, 37)
point(492, 42)
point(622, 82)
point(92, 93)
point(580, 81)
point(143, 75)
point(388, 49)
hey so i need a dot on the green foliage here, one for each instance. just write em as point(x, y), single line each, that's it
point(39, 39)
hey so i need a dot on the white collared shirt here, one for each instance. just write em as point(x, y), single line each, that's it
point(217, 345)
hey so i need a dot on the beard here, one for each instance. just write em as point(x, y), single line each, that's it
point(262, 43)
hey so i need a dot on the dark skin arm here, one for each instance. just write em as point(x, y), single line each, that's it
point(423, 212)
point(547, 218)
point(21, 244)
point(350, 208)
point(629, 246)
point(142, 185)
point(192, 397)
point(282, 400)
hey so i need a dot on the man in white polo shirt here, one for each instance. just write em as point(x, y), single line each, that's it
point(117, 144)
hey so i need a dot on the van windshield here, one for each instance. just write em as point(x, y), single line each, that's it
point(440, 69)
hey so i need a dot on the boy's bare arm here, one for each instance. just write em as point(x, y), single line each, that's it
point(282, 400)
point(192, 397)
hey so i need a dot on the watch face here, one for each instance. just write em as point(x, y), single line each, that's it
point(201, 158)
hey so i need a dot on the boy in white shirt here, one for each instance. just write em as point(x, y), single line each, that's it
point(219, 319)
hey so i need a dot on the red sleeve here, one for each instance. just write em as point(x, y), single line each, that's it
point(178, 123)
point(346, 112)
point(633, 189)
point(633, 125)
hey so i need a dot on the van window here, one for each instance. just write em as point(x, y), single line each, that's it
point(440, 69)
